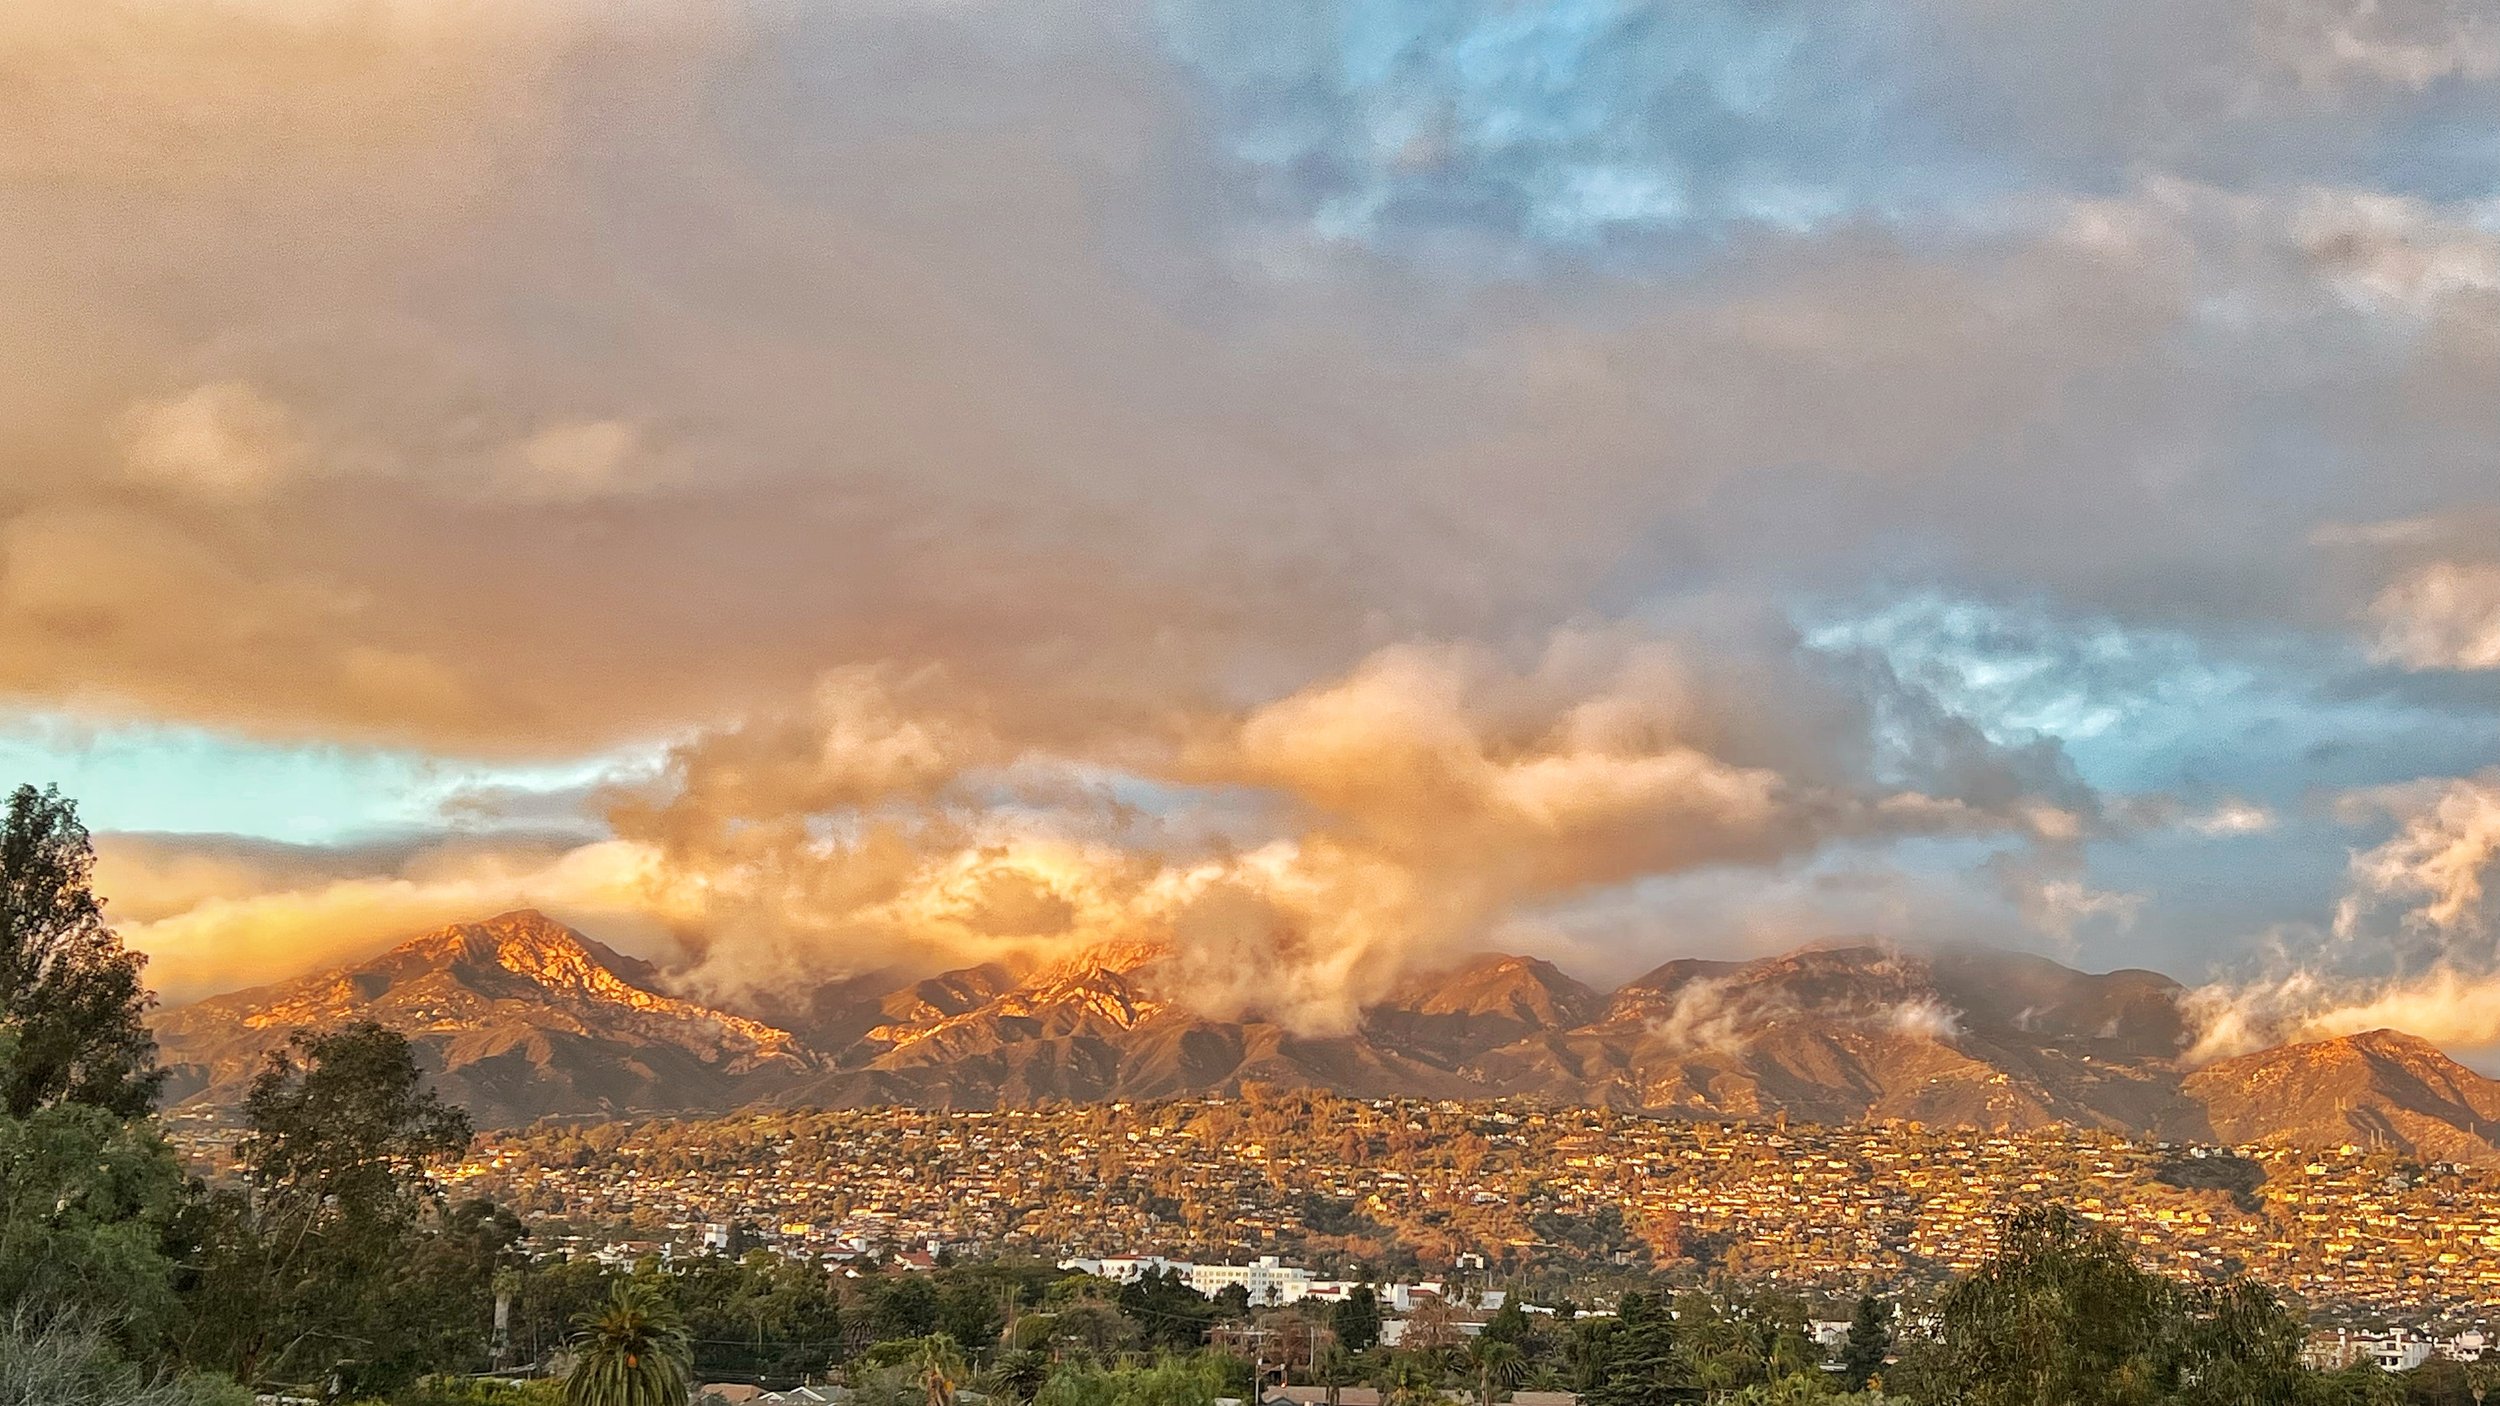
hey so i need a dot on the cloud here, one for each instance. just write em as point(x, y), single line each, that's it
point(1302, 854)
point(2444, 615)
point(2411, 947)
point(1313, 492)
point(2447, 839)
point(1725, 1015)
point(212, 917)
point(223, 440)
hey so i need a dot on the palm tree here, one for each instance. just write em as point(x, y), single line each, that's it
point(632, 1352)
point(1408, 1381)
point(1338, 1369)
point(1498, 1364)
point(941, 1367)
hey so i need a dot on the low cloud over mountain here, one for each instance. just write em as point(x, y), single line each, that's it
point(520, 1017)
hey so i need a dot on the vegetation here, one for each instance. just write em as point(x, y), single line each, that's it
point(633, 1352)
point(70, 995)
point(327, 1263)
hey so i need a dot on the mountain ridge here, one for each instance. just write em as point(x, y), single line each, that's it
point(521, 1017)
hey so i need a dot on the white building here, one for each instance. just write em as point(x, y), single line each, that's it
point(1266, 1279)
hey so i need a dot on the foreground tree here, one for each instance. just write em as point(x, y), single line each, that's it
point(86, 1202)
point(70, 994)
point(632, 1352)
point(313, 1271)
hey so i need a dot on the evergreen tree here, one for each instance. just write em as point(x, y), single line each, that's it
point(1356, 1319)
point(70, 995)
point(1869, 1342)
point(1509, 1323)
point(1168, 1313)
point(1639, 1365)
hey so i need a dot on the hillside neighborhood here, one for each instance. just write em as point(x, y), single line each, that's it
point(1512, 1194)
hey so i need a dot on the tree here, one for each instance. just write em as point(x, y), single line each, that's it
point(2062, 1313)
point(1497, 1365)
point(1019, 1374)
point(70, 994)
point(2059, 1314)
point(310, 1269)
point(1633, 1361)
point(906, 1308)
point(1336, 1370)
point(1408, 1380)
point(633, 1352)
point(1356, 1319)
point(1509, 1323)
point(939, 1363)
point(1432, 1327)
point(1168, 1313)
point(86, 1200)
point(1869, 1343)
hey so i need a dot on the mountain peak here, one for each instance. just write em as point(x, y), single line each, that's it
point(520, 1013)
point(2381, 1088)
point(2391, 1044)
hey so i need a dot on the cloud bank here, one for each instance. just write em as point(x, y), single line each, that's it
point(1318, 489)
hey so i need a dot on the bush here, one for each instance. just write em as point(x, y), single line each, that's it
point(64, 1365)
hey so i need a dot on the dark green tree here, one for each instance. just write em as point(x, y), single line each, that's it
point(905, 1306)
point(1509, 1323)
point(1636, 1364)
point(70, 994)
point(1869, 1343)
point(2060, 1313)
point(308, 1273)
point(1019, 1374)
point(1168, 1313)
point(2063, 1314)
point(86, 1201)
point(1356, 1319)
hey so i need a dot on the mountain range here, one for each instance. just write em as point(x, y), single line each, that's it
point(519, 1017)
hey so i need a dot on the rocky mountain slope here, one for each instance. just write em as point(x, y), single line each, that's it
point(2379, 1089)
point(517, 1017)
point(522, 1017)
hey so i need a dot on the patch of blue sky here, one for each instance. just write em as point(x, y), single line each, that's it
point(2152, 709)
point(154, 777)
point(2019, 675)
point(1572, 122)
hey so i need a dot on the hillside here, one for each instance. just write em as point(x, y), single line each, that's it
point(521, 1017)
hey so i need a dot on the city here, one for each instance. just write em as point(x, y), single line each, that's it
point(1526, 1197)
point(1249, 703)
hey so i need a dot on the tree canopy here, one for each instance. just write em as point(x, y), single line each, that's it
point(71, 999)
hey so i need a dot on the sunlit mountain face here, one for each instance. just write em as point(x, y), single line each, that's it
point(521, 1017)
point(857, 506)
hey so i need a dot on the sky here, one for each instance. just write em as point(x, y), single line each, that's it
point(813, 487)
